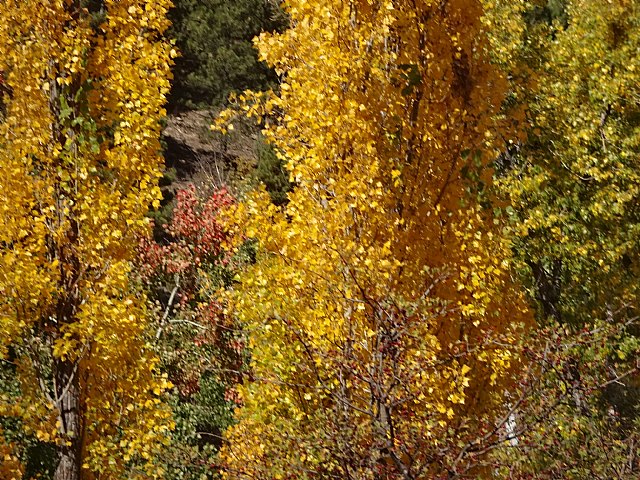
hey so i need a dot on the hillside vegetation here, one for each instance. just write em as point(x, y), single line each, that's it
point(362, 240)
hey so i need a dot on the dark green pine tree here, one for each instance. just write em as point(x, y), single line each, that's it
point(214, 38)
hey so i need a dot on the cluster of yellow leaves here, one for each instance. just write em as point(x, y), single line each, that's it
point(379, 308)
point(79, 163)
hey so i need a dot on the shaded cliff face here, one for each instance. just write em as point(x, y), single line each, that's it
point(195, 154)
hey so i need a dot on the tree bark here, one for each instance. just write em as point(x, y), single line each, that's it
point(548, 287)
point(70, 422)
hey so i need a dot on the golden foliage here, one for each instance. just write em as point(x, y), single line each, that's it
point(79, 165)
point(10, 466)
point(379, 311)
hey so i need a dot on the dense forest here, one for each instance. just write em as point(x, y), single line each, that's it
point(355, 239)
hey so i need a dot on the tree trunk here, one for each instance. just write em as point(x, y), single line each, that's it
point(548, 287)
point(70, 422)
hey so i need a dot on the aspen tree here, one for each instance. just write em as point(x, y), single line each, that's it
point(574, 183)
point(79, 162)
point(573, 190)
point(379, 313)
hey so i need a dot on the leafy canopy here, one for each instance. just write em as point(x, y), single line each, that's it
point(79, 165)
point(379, 312)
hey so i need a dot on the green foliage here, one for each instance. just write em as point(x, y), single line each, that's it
point(38, 458)
point(271, 171)
point(200, 421)
point(574, 183)
point(547, 12)
point(217, 56)
point(572, 191)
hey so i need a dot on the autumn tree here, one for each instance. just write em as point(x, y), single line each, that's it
point(574, 182)
point(572, 187)
point(84, 85)
point(379, 313)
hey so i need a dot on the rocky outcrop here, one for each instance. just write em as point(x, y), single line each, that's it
point(195, 154)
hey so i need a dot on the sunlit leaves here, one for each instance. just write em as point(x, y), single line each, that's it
point(379, 312)
point(78, 168)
